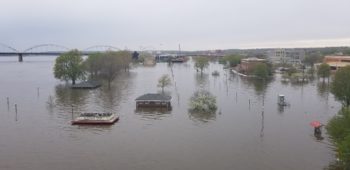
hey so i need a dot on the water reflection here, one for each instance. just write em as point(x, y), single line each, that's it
point(323, 89)
point(202, 79)
point(280, 109)
point(262, 125)
point(285, 81)
point(153, 113)
point(50, 104)
point(202, 117)
point(230, 134)
point(318, 136)
point(109, 98)
point(95, 129)
point(232, 76)
point(298, 83)
point(67, 97)
point(336, 165)
point(259, 85)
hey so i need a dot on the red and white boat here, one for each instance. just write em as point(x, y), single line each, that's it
point(95, 119)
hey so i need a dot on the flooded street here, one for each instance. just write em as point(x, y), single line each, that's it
point(259, 135)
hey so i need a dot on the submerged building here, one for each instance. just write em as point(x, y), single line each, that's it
point(248, 64)
point(336, 62)
point(153, 100)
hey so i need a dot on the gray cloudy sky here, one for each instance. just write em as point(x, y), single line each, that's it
point(163, 24)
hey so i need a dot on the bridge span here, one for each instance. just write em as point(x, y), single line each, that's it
point(50, 50)
point(56, 50)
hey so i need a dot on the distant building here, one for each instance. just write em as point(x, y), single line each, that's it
point(286, 56)
point(336, 62)
point(164, 57)
point(247, 65)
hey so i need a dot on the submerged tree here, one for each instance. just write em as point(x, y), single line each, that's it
point(125, 59)
point(203, 101)
point(232, 60)
point(340, 86)
point(164, 81)
point(311, 71)
point(201, 63)
point(324, 71)
point(69, 66)
point(339, 130)
point(261, 71)
point(111, 65)
point(311, 59)
point(291, 70)
point(93, 64)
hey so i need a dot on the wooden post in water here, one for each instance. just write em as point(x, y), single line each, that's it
point(16, 112)
point(72, 113)
point(38, 92)
point(236, 97)
point(8, 103)
point(263, 103)
point(249, 104)
point(262, 125)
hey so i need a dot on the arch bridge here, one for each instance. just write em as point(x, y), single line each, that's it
point(50, 50)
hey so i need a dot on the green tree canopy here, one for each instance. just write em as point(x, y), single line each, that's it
point(347, 51)
point(261, 70)
point(324, 71)
point(93, 64)
point(164, 81)
point(69, 66)
point(340, 86)
point(201, 63)
point(111, 64)
point(311, 59)
point(203, 102)
point(291, 70)
point(233, 60)
point(125, 58)
point(339, 130)
point(107, 64)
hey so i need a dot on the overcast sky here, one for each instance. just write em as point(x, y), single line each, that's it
point(163, 24)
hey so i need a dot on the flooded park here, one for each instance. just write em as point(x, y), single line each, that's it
point(248, 131)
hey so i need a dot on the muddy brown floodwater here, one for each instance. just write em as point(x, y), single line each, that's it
point(238, 136)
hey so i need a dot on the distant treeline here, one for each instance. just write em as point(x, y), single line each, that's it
point(264, 51)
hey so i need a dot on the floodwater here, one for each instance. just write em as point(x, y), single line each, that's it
point(259, 135)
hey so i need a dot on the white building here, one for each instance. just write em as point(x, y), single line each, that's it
point(287, 56)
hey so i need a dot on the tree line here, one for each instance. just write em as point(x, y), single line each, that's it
point(71, 66)
point(339, 126)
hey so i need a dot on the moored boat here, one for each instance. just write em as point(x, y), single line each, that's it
point(95, 118)
point(179, 59)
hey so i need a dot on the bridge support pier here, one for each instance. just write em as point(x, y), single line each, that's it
point(20, 57)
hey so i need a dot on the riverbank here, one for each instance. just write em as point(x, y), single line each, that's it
point(339, 130)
